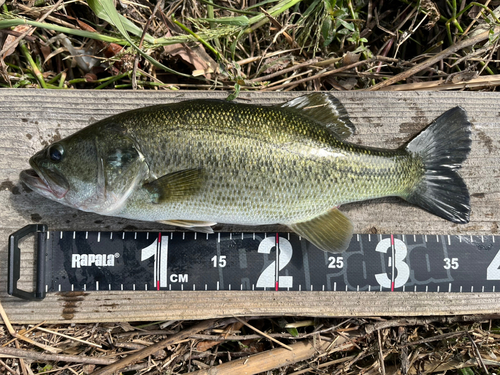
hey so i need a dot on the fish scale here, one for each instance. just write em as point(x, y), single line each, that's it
point(280, 176)
point(197, 163)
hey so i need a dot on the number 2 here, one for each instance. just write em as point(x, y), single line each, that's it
point(267, 278)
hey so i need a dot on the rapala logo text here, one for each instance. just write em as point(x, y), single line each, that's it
point(87, 260)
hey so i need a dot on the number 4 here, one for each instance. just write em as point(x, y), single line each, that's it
point(493, 270)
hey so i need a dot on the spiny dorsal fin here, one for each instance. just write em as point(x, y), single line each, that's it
point(330, 231)
point(175, 185)
point(325, 109)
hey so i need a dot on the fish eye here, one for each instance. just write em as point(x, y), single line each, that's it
point(56, 153)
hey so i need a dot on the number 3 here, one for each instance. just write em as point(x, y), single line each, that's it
point(402, 268)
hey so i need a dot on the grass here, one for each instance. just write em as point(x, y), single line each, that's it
point(427, 345)
point(237, 46)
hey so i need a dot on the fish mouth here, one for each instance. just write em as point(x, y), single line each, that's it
point(47, 183)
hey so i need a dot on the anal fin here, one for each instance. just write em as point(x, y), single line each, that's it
point(330, 231)
point(194, 225)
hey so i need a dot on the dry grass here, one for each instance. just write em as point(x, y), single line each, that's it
point(432, 345)
point(250, 45)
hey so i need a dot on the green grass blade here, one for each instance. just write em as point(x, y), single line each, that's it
point(5, 24)
point(99, 10)
point(236, 21)
point(198, 38)
point(114, 17)
point(274, 11)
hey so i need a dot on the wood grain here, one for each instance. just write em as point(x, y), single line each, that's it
point(30, 119)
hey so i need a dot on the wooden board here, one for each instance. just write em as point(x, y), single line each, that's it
point(30, 119)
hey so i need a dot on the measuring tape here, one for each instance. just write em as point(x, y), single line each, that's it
point(151, 261)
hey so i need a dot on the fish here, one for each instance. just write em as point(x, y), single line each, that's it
point(196, 163)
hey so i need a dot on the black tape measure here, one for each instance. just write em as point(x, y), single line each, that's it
point(150, 261)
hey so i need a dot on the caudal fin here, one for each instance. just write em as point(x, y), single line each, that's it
point(442, 147)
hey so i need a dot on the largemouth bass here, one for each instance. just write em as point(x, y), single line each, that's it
point(200, 162)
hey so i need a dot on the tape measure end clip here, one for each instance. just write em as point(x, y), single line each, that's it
point(14, 268)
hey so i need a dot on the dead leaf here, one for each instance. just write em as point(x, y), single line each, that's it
point(196, 56)
point(85, 26)
point(350, 58)
point(464, 76)
point(88, 369)
point(11, 38)
point(127, 327)
point(203, 346)
point(46, 51)
point(275, 64)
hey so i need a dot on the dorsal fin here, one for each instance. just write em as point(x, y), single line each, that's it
point(325, 109)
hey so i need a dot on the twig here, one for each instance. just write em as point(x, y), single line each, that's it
point(479, 14)
point(24, 333)
point(132, 358)
point(284, 71)
point(478, 354)
point(323, 365)
point(490, 57)
point(272, 84)
point(385, 51)
point(137, 55)
point(241, 337)
point(6, 367)
point(370, 328)
point(324, 74)
point(274, 358)
point(380, 354)
point(37, 356)
point(264, 334)
point(441, 85)
point(438, 57)
point(434, 338)
point(24, 368)
point(13, 333)
point(274, 21)
point(252, 59)
point(69, 337)
point(383, 28)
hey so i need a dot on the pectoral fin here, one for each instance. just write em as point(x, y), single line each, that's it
point(330, 231)
point(197, 226)
point(176, 185)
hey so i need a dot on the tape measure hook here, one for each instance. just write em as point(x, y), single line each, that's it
point(14, 271)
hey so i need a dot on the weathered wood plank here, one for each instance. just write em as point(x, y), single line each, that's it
point(29, 119)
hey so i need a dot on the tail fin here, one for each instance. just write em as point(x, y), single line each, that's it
point(443, 146)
